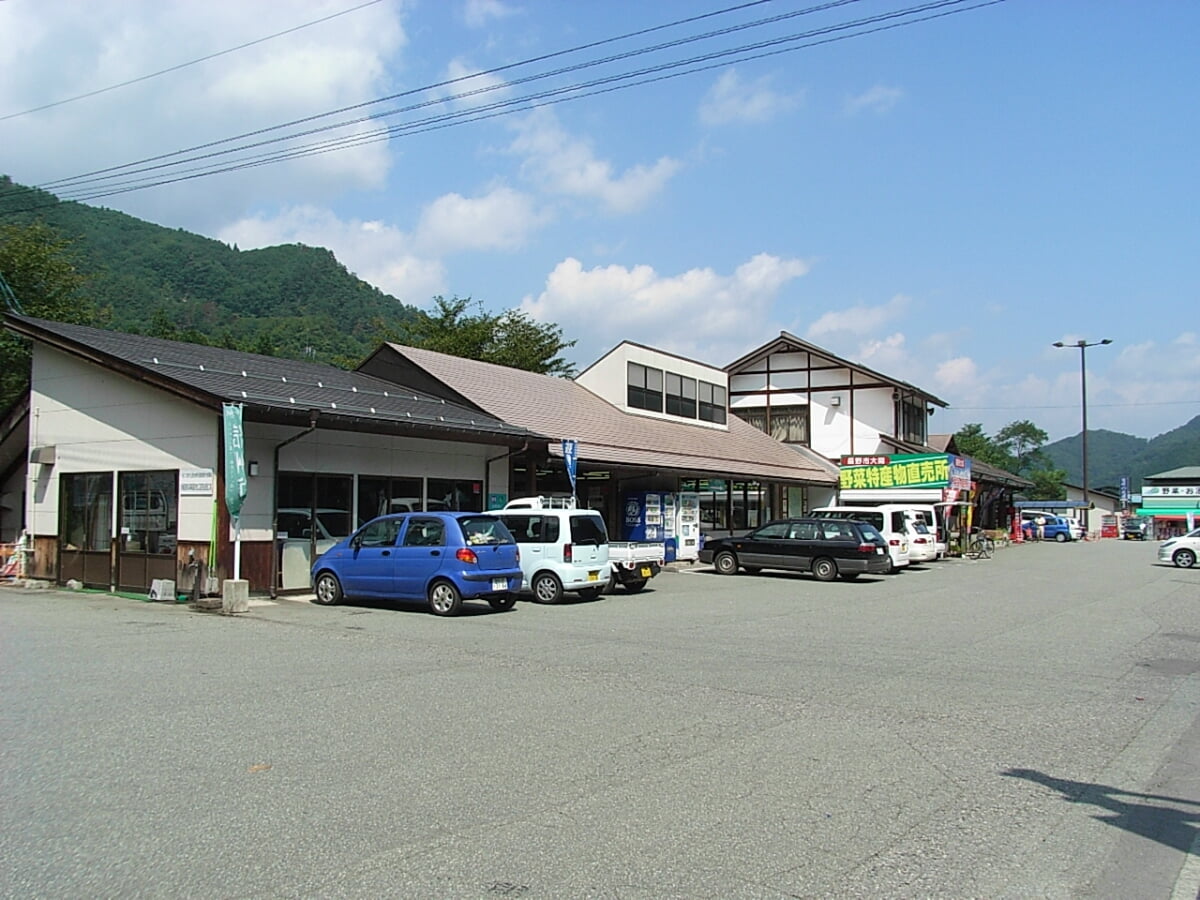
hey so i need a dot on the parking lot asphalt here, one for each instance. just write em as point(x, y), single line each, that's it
point(1021, 726)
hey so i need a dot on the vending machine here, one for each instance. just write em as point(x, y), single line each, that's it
point(687, 525)
point(644, 516)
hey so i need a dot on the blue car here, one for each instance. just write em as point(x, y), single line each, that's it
point(443, 558)
point(1057, 529)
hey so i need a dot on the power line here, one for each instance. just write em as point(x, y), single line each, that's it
point(111, 181)
point(1076, 405)
point(184, 65)
point(425, 89)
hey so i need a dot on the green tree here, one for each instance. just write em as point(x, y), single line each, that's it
point(507, 339)
point(971, 440)
point(1047, 484)
point(1023, 442)
point(39, 268)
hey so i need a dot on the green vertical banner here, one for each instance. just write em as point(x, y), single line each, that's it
point(236, 482)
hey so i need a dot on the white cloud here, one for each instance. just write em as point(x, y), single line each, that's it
point(74, 47)
point(696, 309)
point(733, 101)
point(560, 164)
point(877, 99)
point(477, 13)
point(377, 253)
point(960, 373)
point(500, 220)
point(858, 319)
point(471, 87)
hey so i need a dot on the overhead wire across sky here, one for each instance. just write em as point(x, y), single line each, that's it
point(206, 159)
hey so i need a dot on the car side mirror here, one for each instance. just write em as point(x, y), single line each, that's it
point(356, 542)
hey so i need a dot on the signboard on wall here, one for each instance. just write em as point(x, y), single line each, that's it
point(903, 470)
point(1170, 490)
point(196, 482)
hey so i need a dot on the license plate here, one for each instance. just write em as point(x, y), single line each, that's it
point(594, 576)
point(879, 551)
point(645, 571)
point(499, 584)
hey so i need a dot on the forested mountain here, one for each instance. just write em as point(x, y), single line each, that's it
point(291, 300)
point(1112, 455)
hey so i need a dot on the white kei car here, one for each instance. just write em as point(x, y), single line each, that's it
point(1182, 551)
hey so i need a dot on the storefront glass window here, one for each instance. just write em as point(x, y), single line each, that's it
point(86, 503)
point(380, 496)
point(149, 511)
point(463, 496)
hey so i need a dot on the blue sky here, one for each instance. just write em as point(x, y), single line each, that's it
point(940, 201)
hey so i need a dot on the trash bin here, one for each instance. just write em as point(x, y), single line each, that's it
point(671, 549)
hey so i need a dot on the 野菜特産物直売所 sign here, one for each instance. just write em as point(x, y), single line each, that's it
point(905, 470)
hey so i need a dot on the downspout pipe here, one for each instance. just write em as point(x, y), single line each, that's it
point(312, 425)
point(487, 467)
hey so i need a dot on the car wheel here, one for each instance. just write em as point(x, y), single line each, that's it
point(635, 586)
point(444, 599)
point(1185, 559)
point(1061, 538)
point(726, 564)
point(591, 593)
point(547, 588)
point(503, 602)
point(850, 576)
point(329, 589)
point(824, 569)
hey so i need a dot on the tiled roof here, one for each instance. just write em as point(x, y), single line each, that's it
point(265, 385)
point(561, 408)
point(1192, 472)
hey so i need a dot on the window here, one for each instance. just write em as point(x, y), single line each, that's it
point(645, 388)
point(804, 531)
point(588, 530)
point(380, 534)
point(788, 424)
point(149, 512)
point(455, 496)
point(712, 403)
point(424, 533)
point(774, 530)
point(912, 421)
point(681, 396)
point(86, 511)
point(380, 496)
point(485, 530)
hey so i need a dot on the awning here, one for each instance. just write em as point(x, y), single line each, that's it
point(1168, 512)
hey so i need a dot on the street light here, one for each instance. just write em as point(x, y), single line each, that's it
point(1083, 345)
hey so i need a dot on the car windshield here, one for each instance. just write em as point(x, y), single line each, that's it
point(485, 530)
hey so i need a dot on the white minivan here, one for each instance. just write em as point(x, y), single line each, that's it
point(563, 548)
point(891, 521)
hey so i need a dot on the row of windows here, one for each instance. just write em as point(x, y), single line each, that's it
point(677, 395)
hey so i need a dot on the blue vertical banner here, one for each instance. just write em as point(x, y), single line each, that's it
point(236, 483)
point(570, 450)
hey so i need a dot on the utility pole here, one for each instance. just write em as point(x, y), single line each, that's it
point(1083, 345)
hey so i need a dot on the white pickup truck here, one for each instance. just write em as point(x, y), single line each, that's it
point(634, 563)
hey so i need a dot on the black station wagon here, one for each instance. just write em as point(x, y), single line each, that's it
point(828, 548)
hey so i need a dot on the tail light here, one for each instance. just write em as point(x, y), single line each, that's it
point(567, 554)
point(920, 540)
point(894, 542)
point(518, 559)
point(466, 554)
point(866, 548)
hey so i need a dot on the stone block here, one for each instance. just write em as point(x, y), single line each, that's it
point(235, 596)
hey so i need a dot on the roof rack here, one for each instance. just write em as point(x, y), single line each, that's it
point(542, 502)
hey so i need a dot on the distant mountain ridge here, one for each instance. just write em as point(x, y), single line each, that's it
point(291, 300)
point(1113, 455)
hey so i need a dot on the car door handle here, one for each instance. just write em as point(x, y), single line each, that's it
point(435, 552)
point(386, 553)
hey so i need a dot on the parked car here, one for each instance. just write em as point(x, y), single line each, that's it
point(1134, 529)
point(891, 520)
point(443, 558)
point(1056, 529)
point(1183, 551)
point(563, 547)
point(828, 548)
point(922, 546)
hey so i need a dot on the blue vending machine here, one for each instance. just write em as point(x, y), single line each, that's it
point(644, 517)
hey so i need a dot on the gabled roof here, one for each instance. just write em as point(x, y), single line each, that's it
point(561, 408)
point(787, 343)
point(1192, 472)
point(979, 469)
point(270, 389)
